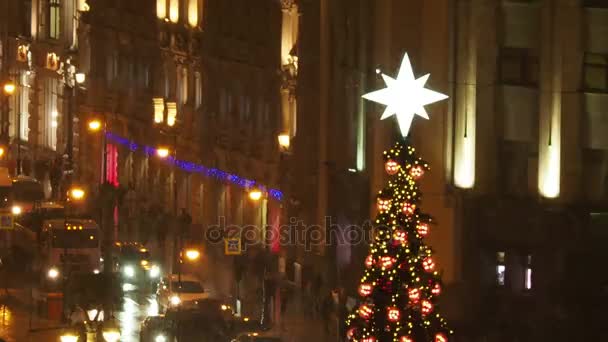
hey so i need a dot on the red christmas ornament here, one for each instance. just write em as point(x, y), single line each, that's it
point(414, 295)
point(436, 290)
point(365, 289)
point(406, 339)
point(408, 208)
point(427, 307)
point(365, 311)
point(416, 171)
point(391, 167)
point(387, 261)
point(369, 261)
point(399, 237)
point(423, 229)
point(440, 337)
point(383, 204)
point(369, 339)
point(393, 314)
point(428, 264)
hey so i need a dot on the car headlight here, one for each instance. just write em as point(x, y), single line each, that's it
point(96, 271)
point(175, 300)
point(53, 273)
point(154, 271)
point(160, 338)
point(129, 271)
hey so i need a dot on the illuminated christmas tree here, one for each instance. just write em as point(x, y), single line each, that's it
point(401, 285)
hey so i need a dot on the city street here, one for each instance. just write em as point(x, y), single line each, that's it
point(17, 324)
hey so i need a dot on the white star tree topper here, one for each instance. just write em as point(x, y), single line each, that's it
point(405, 96)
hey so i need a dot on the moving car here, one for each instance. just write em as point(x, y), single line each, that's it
point(184, 292)
point(205, 323)
point(136, 267)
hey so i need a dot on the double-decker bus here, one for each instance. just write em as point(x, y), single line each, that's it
point(70, 246)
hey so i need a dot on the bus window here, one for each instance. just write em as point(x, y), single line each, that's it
point(86, 238)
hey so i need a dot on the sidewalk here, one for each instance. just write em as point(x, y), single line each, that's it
point(18, 324)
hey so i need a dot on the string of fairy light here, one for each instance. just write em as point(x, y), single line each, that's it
point(400, 284)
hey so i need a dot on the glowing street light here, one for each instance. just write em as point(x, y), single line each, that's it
point(76, 193)
point(284, 141)
point(9, 88)
point(94, 125)
point(16, 210)
point(255, 194)
point(80, 77)
point(192, 254)
point(162, 152)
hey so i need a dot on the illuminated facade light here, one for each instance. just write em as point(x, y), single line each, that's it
point(161, 9)
point(159, 109)
point(193, 12)
point(284, 141)
point(174, 11)
point(171, 113)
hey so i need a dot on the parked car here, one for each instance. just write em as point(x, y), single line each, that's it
point(185, 292)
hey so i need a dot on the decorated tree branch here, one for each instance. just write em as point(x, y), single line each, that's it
point(401, 285)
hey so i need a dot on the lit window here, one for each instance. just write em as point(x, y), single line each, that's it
point(198, 90)
point(595, 71)
point(24, 104)
point(193, 12)
point(54, 19)
point(174, 10)
point(51, 116)
point(528, 275)
point(500, 268)
point(161, 9)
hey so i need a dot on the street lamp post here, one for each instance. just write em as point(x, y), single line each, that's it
point(71, 80)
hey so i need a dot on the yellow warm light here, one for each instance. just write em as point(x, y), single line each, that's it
point(550, 172)
point(76, 193)
point(94, 125)
point(174, 10)
point(159, 109)
point(1, 151)
point(284, 141)
point(192, 254)
point(171, 113)
point(9, 88)
point(69, 337)
point(111, 335)
point(161, 9)
point(16, 210)
point(464, 176)
point(193, 13)
point(162, 152)
point(255, 194)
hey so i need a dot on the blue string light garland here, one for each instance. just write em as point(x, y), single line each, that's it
point(196, 168)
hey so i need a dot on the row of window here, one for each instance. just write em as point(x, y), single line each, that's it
point(172, 10)
point(48, 121)
point(244, 106)
point(520, 66)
